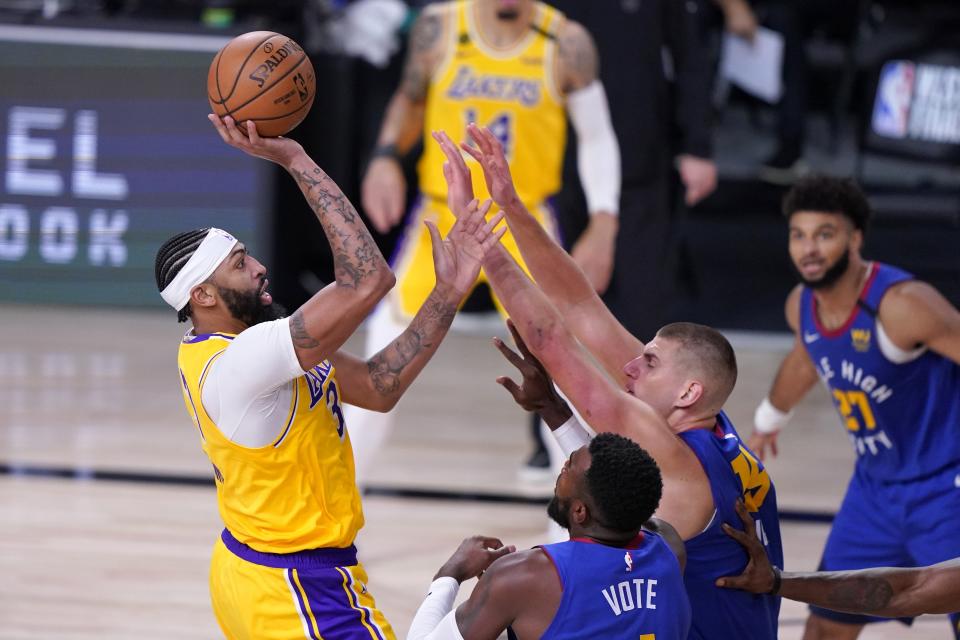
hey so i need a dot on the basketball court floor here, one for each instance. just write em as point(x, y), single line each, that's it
point(108, 506)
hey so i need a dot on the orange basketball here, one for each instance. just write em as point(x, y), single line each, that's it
point(264, 77)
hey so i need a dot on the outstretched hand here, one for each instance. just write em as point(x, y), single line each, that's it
point(473, 557)
point(457, 259)
point(496, 170)
point(457, 175)
point(280, 150)
point(757, 576)
point(535, 391)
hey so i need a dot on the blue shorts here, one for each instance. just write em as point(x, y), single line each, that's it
point(902, 524)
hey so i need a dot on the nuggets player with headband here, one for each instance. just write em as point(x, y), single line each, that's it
point(609, 580)
point(519, 67)
point(266, 393)
point(666, 395)
point(887, 347)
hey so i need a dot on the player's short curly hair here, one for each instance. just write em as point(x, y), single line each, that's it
point(829, 195)
point(623, 481)
point(172, 256)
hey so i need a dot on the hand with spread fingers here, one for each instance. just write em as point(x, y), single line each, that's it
point(759, 576)
point(279, 150)
point(535, 391)
point(496, 170)
point(473, 557)
point(457, 259)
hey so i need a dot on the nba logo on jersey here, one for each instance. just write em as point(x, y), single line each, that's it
point(861, 339)
point(629, 560)
point(891, 110)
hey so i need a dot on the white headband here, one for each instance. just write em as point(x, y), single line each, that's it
point(215, 247)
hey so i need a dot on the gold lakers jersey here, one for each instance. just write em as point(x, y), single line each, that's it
point(511, 91)
point(296, 493)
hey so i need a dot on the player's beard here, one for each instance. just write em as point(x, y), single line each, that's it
point(508, 15)
point(830, 276)
point(246, 306)
point(558, 511)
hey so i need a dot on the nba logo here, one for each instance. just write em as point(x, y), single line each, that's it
point(891, 111)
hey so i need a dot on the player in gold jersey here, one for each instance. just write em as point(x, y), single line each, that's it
point(520, 68)
point(266, 393)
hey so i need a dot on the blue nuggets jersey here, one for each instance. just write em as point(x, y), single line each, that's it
point(619, 592)
point(903, 419)
point(734, 472)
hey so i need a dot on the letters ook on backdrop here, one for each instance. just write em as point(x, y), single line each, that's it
point(106, 151)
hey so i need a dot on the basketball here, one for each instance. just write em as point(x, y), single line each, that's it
point(265, 77)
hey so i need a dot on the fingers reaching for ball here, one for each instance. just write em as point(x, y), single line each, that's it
point(246, 138)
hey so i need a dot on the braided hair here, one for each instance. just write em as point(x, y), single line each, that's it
point(172, 256)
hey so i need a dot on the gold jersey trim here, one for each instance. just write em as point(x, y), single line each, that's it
point(468, 11)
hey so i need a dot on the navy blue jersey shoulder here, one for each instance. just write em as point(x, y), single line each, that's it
point(901, 416)
point(617, 592)
point(734, 473)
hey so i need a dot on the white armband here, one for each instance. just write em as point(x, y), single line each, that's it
point(571, 435)
point(769, 419)
point(434, 619)
point(598, 153)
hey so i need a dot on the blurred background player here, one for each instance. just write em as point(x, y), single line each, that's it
point(887, 347)
point(666, 395)
point(519, 67)
point(265, 392)
point(605, 493)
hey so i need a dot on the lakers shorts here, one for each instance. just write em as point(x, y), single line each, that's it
point(413, 259)
point(894, 524)
point(319, 594)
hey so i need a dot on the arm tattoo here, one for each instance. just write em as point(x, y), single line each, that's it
point(355, 255)
point(424, 333)
point(298, 331)
point(426, 32)
point(579, 59)
point(866, 594)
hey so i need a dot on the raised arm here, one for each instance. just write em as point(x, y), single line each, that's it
point(605, 406)
point(384, 188)
point(555, 272)
point(362, 276)
point(378, 383)
point(794, 379)
point(882, 592)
